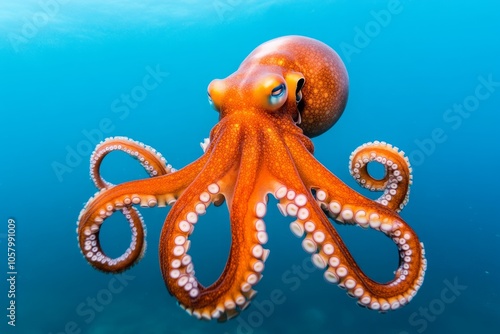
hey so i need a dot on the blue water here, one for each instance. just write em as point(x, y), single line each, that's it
point(65, 65)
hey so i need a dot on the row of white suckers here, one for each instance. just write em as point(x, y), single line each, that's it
point(293, 209)
point(322, 252)
point(91, 252)
point(392, 167)
point(336, 273)
point(94, 254)
point(391, 190)
point(183, 271)
point(101, 150)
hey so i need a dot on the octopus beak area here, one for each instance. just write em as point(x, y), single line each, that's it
point(295, 81)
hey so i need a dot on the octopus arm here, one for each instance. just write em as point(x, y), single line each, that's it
point(233, 290)
point(158, 191)
point(328, 250)
point(397, 178)
point(150, 159)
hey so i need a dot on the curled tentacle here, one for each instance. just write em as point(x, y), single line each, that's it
point(233, 290)
point(397, 179)
point(330, 253)
point(159, 191)
point(345, 205)
point(152, 161)
point(155, 164)
point(93, 252)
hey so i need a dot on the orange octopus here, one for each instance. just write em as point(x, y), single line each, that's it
point(286, 91)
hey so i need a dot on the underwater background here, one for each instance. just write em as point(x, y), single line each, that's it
point(424, 76)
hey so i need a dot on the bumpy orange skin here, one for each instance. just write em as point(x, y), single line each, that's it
point(287, 90)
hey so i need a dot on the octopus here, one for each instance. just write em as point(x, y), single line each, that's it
point(287, 91)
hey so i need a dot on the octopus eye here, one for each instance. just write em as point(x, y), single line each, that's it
point(279, 90)
point(278, 95)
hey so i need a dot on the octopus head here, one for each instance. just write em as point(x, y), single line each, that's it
point(265, 91)
point(293, 76)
